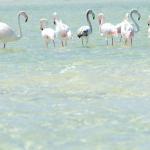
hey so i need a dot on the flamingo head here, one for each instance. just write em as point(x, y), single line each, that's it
point(89, 11)
point(24, 14)
point(43, 23)
point(101, 18)
point(54, 22)
point(135, 11)
point(55, 17)
point(148, 22)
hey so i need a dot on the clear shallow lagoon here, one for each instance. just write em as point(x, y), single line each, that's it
point(74, 98)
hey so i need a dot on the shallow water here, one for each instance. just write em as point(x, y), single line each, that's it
point(74, 98)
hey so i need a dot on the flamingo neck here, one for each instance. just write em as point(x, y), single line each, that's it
point(135, 23)
point(88, 20)
point(101, 21)
point(20, 29)
point(58, 25)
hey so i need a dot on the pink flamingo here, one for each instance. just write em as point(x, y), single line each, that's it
point(106, 29)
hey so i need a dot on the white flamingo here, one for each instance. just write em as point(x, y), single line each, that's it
point(106, 29)
point(7, 34)
point(48, 34)
point(84, 31)
point(128, 29)
point(118, 26)
point(148, 23)
point(62, 30)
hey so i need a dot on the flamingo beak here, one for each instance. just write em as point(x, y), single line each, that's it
point(139, 18)
point(148, 24)
point(99, 21)
point(54, 22)
point(41, 28)
point(26, 20)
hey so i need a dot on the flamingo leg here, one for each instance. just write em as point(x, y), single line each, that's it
point(126, 42)
point(62, 43)
point(120, 38)
point(112, 41)
point(82, 42)
point(107, 41)
point(54, 43)
point(87, 40)
point(131, 42)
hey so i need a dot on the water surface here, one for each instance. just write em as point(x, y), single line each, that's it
point(74, 98)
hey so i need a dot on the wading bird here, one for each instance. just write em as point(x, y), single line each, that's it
point(62, 30)
point(48, 34)
point(128, 29)
point(106, 29)
point(118, 26)
point(85, 31)
point(7, 34)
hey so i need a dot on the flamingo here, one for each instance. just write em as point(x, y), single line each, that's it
point(118, 26)
point(48, 34)
point(7, 34)
point(148, 23)
point(85, 31)
point(106, 29)
point(62, 30)
point(128, 30)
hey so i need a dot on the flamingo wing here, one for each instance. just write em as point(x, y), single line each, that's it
point(48, 33)
point(83, 31)
point(108, 29)
point(6, 32)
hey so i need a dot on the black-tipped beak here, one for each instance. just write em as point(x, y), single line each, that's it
point(54, 22)
point(148, 24)
point(139, 18)
point(26, 19)
point(41, 28)
point(100, 21)
point(93, 17)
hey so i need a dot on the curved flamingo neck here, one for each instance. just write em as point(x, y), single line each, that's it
point(133, 20)
point(102, 20)
point(89, 22)
point(20, 29)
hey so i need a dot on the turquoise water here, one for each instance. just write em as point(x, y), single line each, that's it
point(74, 98)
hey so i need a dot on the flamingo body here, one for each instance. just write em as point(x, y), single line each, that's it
point(83, 31)
point(48, 35)
point(149, 33)
point(7, 34)
point(127, 30)
point(108, 29)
